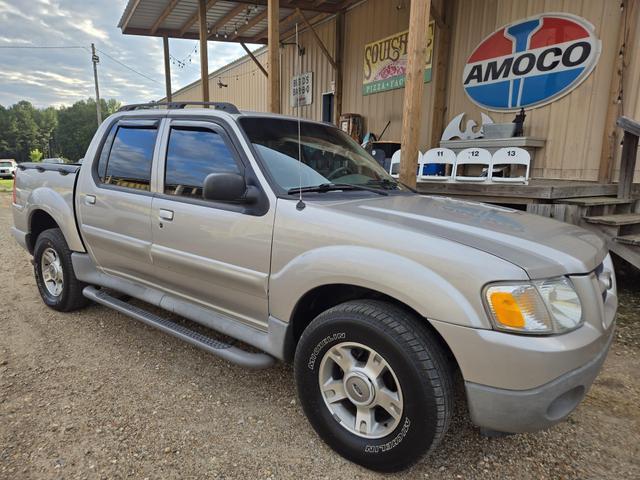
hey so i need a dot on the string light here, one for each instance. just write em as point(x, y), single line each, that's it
point(184, 62)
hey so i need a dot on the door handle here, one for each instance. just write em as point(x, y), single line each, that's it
point(166, 215)
point(90, 199)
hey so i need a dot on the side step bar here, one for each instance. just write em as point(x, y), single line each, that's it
point(216, 347)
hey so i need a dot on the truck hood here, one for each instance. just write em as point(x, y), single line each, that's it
point(541, 246)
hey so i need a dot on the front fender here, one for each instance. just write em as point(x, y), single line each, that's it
point(60, 208)
point(427, 292)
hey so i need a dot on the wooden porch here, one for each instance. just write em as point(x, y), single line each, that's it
point(537, 191)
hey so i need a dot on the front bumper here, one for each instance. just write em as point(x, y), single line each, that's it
point(517, 411)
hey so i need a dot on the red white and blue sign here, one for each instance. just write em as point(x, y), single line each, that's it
point(531, 62)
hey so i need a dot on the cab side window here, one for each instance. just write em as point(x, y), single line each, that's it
point(192, 154)
point(128, 161)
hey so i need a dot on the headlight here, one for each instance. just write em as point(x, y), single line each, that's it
point(540, 307)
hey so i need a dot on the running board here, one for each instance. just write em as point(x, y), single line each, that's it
point(223, 350)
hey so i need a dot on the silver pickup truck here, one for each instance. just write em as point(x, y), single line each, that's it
point(287, 237)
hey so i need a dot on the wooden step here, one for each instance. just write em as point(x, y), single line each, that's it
point(629, 239)
point(616, 219)
point(596, 201)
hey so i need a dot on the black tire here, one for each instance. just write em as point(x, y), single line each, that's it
point(420, 366)
point(71, 297)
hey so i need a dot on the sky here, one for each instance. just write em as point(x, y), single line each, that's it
point(61, 76)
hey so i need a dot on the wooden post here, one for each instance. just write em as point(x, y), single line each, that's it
point(255, 60)
point(339, 62)
point(273, 89)
point(204, 55)
point(607, 154)
point(413, 88)
point(442, 51)
point(629, 153)
point(167, 68)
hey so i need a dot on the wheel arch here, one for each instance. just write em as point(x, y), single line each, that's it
point(39, 221)
point(323, 297)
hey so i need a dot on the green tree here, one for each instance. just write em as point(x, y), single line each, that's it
point(64, 132)
point(77, 124)
point(35, 155)
point(23, 132)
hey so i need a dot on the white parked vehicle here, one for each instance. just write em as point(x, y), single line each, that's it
point(7, 168)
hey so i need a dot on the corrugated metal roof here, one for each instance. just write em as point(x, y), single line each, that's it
point(179, 19)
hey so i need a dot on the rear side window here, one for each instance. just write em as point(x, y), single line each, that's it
point(130, 158)
point(192, 154)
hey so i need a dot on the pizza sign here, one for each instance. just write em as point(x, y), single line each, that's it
point(531, 62)
point(385, 62)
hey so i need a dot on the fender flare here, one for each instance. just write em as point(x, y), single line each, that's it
point(61, 210)
point(424, 290)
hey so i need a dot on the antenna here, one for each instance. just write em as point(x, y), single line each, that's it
point(300, 205)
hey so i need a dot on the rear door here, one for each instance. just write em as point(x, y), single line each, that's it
point(214, 253)
point(114, 201)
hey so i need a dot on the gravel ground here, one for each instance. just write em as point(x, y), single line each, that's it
point(94, 394)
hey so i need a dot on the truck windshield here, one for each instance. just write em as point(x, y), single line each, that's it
point(6, 164)
point(328, 155)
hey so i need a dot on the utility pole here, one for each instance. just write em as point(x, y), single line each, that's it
point(95, 59)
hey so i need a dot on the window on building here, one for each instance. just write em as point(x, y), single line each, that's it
point(192, 154)
point(130, 158)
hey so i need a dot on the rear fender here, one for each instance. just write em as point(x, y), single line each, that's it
point(60, 208)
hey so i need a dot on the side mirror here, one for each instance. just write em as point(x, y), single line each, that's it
point(226, 187)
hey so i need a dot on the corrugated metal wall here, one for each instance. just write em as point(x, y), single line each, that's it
point(246, 86)
point(314, 61)
point(371, 21)
point(573, 126)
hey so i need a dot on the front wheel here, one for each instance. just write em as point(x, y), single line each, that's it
point(374, 383)
point(56, 280)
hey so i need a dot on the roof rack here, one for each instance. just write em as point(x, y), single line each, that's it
point(223, 106)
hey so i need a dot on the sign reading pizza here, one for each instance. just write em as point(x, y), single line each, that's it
point(531, 62)
point(385, 62)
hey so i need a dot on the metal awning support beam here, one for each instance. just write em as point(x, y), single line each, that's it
point(273, 88)
point(413, 90)
point(167, 68)
point(318, 39)
point(255, 60)
point(204, 54)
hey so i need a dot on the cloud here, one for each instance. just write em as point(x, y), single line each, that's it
point(61, 76)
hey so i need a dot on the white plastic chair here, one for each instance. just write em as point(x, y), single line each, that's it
point(394, 168)
point(437, 156)
point(511, 157)
point(479, 157)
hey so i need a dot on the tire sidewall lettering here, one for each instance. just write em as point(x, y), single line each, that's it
point(320, 346)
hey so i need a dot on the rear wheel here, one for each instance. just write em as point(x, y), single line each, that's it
point(56, 280)
point(374, 383)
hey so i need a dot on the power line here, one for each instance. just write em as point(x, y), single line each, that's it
point(128, 67)
point(83, 48)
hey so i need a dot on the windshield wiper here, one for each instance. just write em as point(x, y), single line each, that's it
point(384, 183)
point(330, 187)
